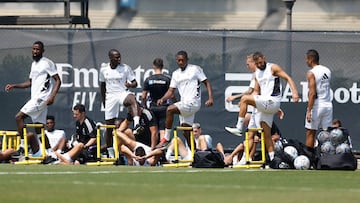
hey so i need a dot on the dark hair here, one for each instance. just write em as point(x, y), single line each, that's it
point(40, 43)
point(257, 55)
point(140, 151)
point(50, 117)
point(312, 53)
point(337, 121)
point(182, 53)
point(79, 107)
point(111, 51)
point(158, 62)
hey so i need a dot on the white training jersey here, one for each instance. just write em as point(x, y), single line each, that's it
point(322, 76)
point(188, 82)
point(54, 137)
point(269, 84)
point(41, 74)
point(115, 79)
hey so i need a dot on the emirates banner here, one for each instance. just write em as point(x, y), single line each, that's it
point(79, 54)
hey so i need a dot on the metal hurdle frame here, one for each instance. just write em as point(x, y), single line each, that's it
point(33, 160)
point(11, 139)
point(182, 163)
point(249, 163)
point(105, 161)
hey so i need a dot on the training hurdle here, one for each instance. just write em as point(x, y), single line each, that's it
point(182, 163)
point(249, 162)
point(11, 139)
point(28, 159)
point(102, 161)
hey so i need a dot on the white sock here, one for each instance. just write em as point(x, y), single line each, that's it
point(271, 155)
point(22, 143)
point(239, 123)
point(168, 154)
point(136, 120)
point(167, 134)
point(51, 153)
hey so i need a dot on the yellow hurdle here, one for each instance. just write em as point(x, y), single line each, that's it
point(105, 161)
point(11, 139)
point(28, 159)
point(249, 162)
point(182, 163)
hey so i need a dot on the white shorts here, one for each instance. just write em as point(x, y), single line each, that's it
point(266, 107)
point(321, 117)
point(36, 109)
point(113, 102)
point(187, 110)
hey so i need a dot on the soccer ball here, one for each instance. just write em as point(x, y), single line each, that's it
point(342, 148)
point(290, 150)
point(327, 148)
point(337, 137)
point(323, 136)
point(302, 162)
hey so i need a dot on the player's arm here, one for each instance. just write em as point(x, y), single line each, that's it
point(132, 84)
point(103, 92)
point(92, 141)
point(278, 71)
point(238, 96)
point(256, 90)
point(169, 94)
point(210, 101)
point(144, 97)
point(152, 153)
point(55, 90)
point(311, 95)
point(25, 84)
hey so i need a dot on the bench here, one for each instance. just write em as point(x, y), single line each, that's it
point(67, 18)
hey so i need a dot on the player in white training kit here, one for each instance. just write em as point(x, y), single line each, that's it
point(115, 80)
point(250, 114)
point(266, 98)
point(319, 113)
point(187, 79)
point(44, 82)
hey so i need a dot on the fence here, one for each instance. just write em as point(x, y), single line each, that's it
point(222, 53)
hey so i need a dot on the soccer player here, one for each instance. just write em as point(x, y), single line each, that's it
point(55, 140)
point(147, 122)
point(115, 80)
point(319, 112)
point(187, 79)
point(44, 82)
point(250, 64)
point(85, 138)
point(266, 97)
point(155, 86)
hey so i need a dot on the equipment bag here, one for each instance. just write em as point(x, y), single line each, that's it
point(208, 159)
point(344, 161)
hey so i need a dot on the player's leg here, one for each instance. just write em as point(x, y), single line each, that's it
point(124, 139)
point(245, 101)
point(20, 116)
point(170, 112)
point(133, 106)
point(109, 132)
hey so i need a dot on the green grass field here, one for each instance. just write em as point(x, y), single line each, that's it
point(107, 184)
